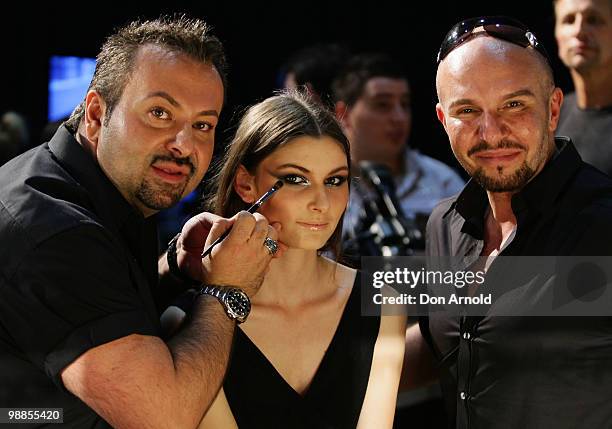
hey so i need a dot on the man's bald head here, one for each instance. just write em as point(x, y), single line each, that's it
point(499, 107)
point(483, 49)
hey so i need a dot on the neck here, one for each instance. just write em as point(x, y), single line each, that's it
point(499, 222)
point(296, 278)
point(501, 208)
point(86, 144)
point(593, 88)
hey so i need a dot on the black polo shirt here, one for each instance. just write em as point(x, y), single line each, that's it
point(78, 263)
point(527, 372)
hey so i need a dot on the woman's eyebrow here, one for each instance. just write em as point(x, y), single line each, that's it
point(305, 170)
point(297, 167)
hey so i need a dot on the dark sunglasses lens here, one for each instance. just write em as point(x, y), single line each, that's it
point(508, 30)
point(453, 39)
point(505, 32)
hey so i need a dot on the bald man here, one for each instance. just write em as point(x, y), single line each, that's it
point(530, 194)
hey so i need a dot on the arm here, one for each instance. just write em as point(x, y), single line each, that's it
point(139, 381)
point(219, 415)
point(378, 408)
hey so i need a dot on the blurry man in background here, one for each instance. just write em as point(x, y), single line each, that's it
point(583, 29)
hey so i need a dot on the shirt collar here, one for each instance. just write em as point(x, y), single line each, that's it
point(104, 196)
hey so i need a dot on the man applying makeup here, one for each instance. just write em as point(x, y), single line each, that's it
point(79, 286)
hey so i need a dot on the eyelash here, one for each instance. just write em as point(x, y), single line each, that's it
point(290, 179)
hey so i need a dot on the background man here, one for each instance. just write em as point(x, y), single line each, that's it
point(583, 29)
point(373, 105)
point(315, 68)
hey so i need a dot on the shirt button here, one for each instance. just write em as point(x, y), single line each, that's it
point(463, 396)
point(466, 336)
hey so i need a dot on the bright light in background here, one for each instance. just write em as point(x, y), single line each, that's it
point(69, 79)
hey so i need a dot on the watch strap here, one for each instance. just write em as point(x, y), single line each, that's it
point(221, 292)
point(171, 258)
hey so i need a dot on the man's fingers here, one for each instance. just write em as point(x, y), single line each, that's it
point(218, 228)
point(273, 230)
point(260, 232)
point(196, 230)
point(244, 223)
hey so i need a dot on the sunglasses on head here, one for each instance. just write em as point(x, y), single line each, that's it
point(499, 27)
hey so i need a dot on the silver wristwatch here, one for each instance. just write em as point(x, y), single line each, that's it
point(236, 303)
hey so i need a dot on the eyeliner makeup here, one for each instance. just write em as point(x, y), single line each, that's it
point(279, 184)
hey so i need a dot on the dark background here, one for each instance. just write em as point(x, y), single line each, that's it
point(258, 38)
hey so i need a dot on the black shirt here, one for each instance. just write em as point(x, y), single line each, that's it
point(528, 372)
point(77, 267)
point(260, 397)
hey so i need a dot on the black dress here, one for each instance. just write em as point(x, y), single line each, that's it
point(260, 398)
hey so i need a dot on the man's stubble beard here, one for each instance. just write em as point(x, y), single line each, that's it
point(158, 196)
point(519, 178)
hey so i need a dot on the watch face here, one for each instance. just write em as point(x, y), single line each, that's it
point(239, 302)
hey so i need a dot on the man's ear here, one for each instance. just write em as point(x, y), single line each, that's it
point(556, 101)
point(440, 115)
point(95, 109)
point(342, 111)
point(244, 185)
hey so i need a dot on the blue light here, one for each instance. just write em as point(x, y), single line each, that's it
point(69, 78)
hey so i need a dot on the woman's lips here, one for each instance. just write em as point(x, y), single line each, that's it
point(313, 226)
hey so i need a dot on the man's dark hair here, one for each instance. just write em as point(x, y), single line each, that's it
point(115, 62)
point(317, 66)
point(351, 81)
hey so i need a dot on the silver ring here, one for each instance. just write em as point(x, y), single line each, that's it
point(271, 245)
